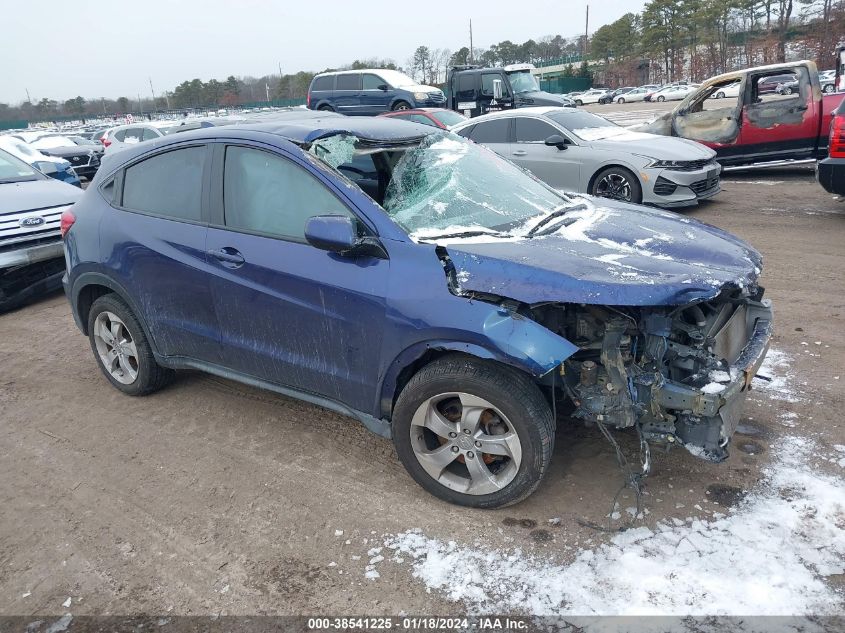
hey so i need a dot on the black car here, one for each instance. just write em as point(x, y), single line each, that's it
point(830, 172)
point(83, 154)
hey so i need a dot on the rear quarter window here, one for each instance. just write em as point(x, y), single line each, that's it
point(168, 184)
point(323, 83)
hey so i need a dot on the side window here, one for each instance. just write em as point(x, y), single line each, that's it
point(372, 82)
point(118, 136)
point(149, 134)
point(495, 131)
point(466, 132)
point(272, 195)
point(133, 135)
point(349, 82)
point(168, 184)
point(419, 118)
point(532, 130)
point(323, 83)
point(487, 84)
point(466, 87)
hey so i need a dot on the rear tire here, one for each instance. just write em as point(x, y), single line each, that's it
point(827, 89)
point(787, 91)
point(458, 406)
point(326, 108)
point(122, 350)
point(720, 95)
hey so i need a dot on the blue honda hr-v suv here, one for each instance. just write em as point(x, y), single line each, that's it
point(419, 283)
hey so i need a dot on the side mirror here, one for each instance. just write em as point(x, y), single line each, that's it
point(556, 140)
point(337, 234)
point(497, 89)
point(383, 87)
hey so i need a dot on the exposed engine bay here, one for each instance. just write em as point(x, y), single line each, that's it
point(678, 373)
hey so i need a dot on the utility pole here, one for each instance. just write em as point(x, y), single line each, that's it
point(153, 93)
point(267, 90)
point(587, 31)
point(470, 42)
point(28, 98)
point(140, 105)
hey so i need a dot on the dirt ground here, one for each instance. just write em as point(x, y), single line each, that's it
point(214, 498)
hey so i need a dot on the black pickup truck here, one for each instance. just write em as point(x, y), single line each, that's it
point(474, 90)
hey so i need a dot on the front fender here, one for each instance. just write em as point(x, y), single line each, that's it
point(508, 338)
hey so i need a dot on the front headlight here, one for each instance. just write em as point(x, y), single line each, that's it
point(422, 96)
point(665, 164)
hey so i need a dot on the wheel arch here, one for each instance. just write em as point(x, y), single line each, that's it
point(613, 163)
point(88, 287)
point(413, 358)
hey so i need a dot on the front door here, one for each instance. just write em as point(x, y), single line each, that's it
point(290, 313)
point(558, 168)
point(375, 94)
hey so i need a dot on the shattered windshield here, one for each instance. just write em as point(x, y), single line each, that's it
point(523, 82)
point(448, 185)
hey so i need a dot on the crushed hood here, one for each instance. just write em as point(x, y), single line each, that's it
point(613, 254)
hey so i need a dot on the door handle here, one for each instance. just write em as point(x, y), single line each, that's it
point(519, 152)
point(228, 256)
point(801, 108)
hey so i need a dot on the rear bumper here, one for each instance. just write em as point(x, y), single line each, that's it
point(830, 173)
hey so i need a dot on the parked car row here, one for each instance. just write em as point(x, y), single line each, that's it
point(631, 94)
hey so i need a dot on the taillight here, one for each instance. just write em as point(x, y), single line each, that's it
point(308, 99)
point(105, 141)
point(836, 148)
point(68, 218)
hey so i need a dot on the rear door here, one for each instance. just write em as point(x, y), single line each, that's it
point(347, 93)
point(289, 313)
point(155, 247)
point(494, 134)
point(776, 126)
point(556, 167)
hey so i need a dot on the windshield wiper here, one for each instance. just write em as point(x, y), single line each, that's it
point(461, 234)
point(560, 211)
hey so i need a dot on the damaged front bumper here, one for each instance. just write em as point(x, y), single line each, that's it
point(679, 375)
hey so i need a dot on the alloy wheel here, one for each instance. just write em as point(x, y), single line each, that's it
point(116, 348)
point(465, 443)
point(614, 185)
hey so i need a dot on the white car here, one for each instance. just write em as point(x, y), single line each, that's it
point(673, 93)
point(119, 137)
point(633, 96)
point(591, 96)
point(731, 90)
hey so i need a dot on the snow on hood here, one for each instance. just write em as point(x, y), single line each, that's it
point(612, 254)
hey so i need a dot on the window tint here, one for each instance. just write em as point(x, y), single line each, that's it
point(108, 190)
point(466, 86)
point(323, 83)
point(272, 195)
point(168, 184)
point(349, 82)
point(532, 130)
point(133, 135)
point(466, 132)
point(149, 134)
point(372, 82)
point(487, 84)
point(118, 136)
point(491, 131)
point(419, 118)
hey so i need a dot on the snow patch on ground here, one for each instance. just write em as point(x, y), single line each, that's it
point(768, 557)
point(777, 367)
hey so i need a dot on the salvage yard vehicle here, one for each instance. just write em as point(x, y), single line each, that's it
point(370, 91)
point(52, 166)
point(633, 96)
point(575, 150)
point(755, 127)
point(435, 117)
point(84, 155)
point(475, 90)
point(31, 205)
point(830, 172)
point(417, 282)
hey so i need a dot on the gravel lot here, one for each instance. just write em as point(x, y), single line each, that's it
point(214, 498)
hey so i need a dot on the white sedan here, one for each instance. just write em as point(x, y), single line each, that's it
point(591, 96)
point(632, 96)
point(731, 90)
point(674, 93)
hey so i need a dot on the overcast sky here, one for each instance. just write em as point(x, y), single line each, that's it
point(112, 47)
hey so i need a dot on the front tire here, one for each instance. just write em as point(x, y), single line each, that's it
point(122, 350)
point(617, 183)
point(661, 98)
point(828, 89)
point(578, 102)
point(401, 105)
point(473, 432)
